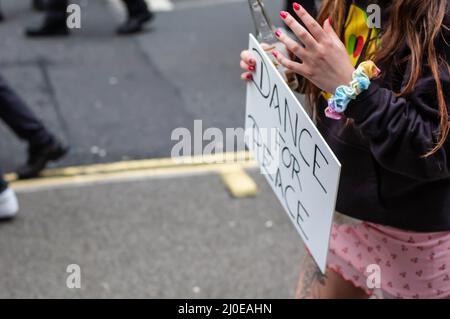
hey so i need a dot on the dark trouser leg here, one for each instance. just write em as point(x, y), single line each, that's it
point(56, 10)
point(138, 15)
point(54, 23)
point(3, 184)
point(56, 5)
point(17, 115)
point(1, 14)
point(39, 4)
point(136, 7)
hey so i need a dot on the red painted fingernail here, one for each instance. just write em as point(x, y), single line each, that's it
point(251, 68)
point(283, 14)
point(249, 76)
point(330, 20)
point(275, 54)
point(296, 6)
point(252, 61)
point(278, 33)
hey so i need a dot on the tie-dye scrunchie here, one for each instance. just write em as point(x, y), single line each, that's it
point(362, 76)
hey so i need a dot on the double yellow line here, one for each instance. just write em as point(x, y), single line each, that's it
point(230, 166)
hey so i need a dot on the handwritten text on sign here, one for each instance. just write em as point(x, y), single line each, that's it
point(298, 164)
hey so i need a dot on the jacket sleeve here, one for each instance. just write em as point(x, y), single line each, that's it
point(401, 130)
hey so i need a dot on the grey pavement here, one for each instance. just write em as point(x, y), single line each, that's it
point(178, 237)
point(158, 238)
point(125, 95)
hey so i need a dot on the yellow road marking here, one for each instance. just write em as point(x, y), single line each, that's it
point(229, 165)
point(238, 182)
point(157, 163)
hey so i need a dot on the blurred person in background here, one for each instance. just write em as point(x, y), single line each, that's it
point(22, 121)
point(38, 5)
point(54, 23)
point(9, 205)
point(43, 147)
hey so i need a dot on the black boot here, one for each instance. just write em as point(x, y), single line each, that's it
point(52, 26)
point(39, 158)
point(1, 16)
point(135, 23)
point(39, 5)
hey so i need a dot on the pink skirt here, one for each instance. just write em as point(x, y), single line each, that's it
point(405, 264)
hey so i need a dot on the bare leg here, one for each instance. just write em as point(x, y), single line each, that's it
point(314, 285)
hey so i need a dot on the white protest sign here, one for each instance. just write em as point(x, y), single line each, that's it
point(297, 162)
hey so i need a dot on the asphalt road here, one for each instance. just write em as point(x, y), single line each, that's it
point(158, 238)
point(114, 98)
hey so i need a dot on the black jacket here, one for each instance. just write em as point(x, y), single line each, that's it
point(385, 179)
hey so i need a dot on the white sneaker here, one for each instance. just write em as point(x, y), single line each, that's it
point(9, 206)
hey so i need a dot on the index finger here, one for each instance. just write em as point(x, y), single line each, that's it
point(310, 23)
point(305, 37)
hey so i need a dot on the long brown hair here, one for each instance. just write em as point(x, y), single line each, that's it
point(417, 23)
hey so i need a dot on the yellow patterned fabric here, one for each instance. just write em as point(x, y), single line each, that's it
point(357, 33)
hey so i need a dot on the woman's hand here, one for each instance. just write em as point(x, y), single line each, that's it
point(325, 61)
point(248, 63)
